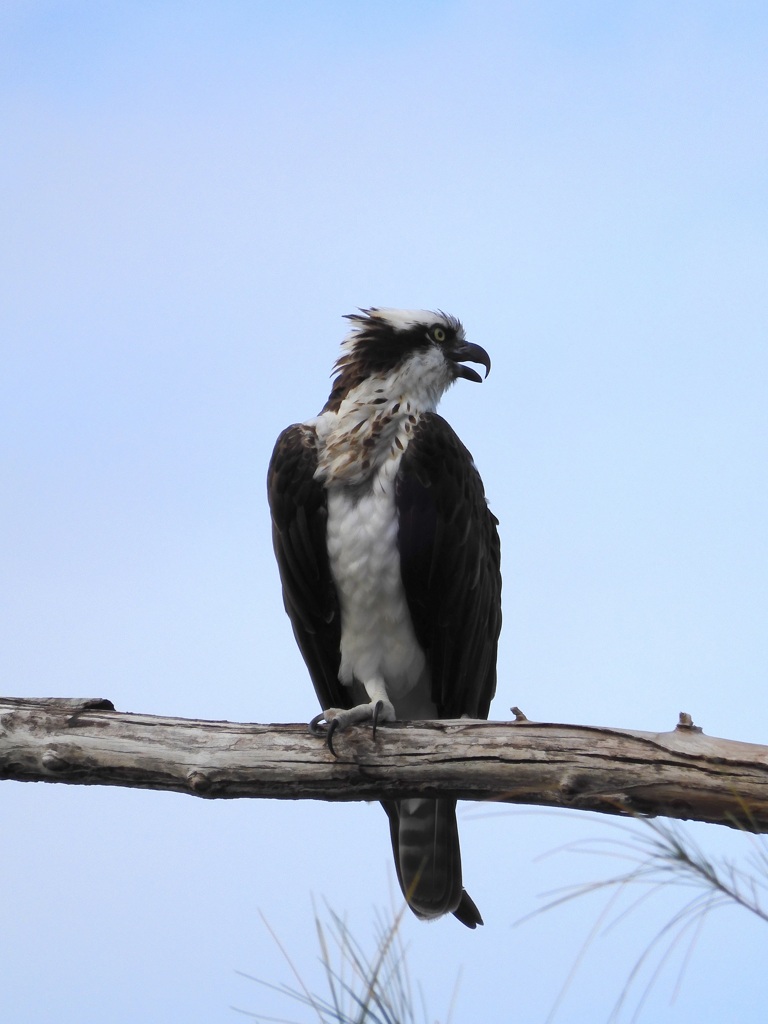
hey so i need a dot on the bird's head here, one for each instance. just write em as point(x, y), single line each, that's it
point(411, 354)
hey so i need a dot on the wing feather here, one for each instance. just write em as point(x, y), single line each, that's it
point(299, 525)
point(450, 566)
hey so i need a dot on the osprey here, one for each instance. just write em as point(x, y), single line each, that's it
point(389, 562)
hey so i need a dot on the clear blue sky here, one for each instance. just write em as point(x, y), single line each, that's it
point(192, 195)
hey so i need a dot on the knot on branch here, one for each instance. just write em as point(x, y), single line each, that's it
point(52, 761)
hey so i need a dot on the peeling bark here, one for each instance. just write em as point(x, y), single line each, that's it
point(678, 774)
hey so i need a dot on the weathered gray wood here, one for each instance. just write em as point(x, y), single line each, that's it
point(680, 774)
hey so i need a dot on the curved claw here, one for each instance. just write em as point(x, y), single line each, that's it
point(333, 726)
point(314, 725)
point(324, 729)
point(378, 707)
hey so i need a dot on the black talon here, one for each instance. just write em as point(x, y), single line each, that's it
point(378, 707)
point(324, 730)
point(314, 725)
point(333, 725)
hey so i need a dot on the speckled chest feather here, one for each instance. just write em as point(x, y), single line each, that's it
point(359, 454)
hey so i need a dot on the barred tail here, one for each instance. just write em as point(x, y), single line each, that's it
point(425, 841)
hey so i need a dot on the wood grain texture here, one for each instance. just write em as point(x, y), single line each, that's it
point(682, 773)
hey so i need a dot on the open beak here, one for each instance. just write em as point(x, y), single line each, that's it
point(466, 352)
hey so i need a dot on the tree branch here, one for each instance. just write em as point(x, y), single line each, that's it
point(678, 774)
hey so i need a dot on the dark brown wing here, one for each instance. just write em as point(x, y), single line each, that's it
point(450, 565)
point(299, 510)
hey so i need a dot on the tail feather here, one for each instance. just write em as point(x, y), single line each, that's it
point(425, 842)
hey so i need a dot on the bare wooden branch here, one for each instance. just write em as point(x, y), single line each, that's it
point(680, 774)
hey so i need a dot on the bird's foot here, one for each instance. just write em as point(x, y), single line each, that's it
point(333, 720)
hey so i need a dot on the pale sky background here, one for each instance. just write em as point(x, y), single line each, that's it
point(192, 195)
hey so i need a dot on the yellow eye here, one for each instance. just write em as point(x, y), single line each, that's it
point(438, 334)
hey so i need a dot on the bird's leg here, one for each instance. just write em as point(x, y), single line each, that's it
point(333, 720)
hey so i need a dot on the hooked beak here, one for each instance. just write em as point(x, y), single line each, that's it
point(465, 351)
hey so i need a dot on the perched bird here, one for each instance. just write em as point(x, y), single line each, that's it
point(389, 561)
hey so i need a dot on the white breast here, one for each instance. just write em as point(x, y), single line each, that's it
point(378, 643)
point(360, 446)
